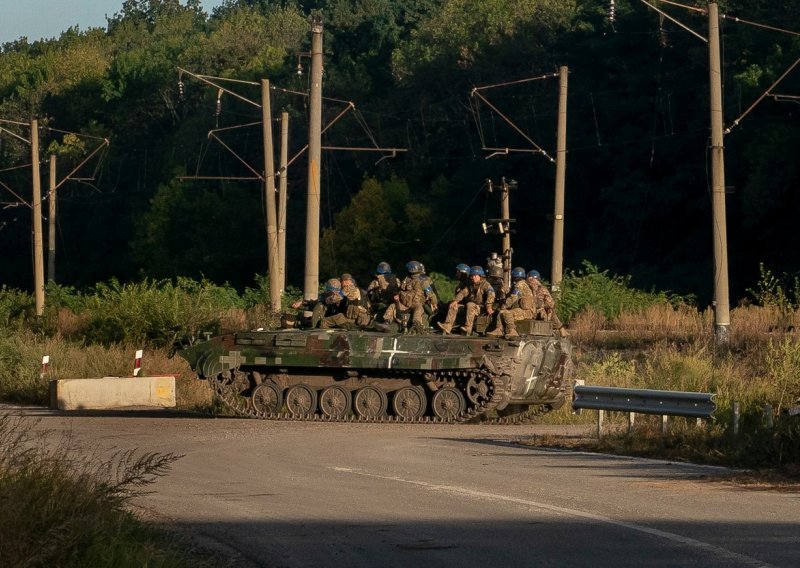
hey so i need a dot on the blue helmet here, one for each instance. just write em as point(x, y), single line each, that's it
point(534, 274)
point(462, 268)
point(333, 285)
point(518, 272)
point(414, 267)
point(477, 270)
point(383, 268)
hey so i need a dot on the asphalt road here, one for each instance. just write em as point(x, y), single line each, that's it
point(309, 494)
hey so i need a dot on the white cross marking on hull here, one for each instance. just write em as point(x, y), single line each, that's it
point(392, 352)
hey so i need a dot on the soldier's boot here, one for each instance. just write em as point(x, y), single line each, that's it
point(511, 331)
point(466, 329)
point(563, 332)
point(498, 328)
point(418, 328)
point(447, 328)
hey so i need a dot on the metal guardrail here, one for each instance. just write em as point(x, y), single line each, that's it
point(644, 401)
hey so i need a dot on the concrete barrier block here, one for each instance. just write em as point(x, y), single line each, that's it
point(112, 392)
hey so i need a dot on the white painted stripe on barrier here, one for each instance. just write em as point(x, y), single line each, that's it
point(137, 362)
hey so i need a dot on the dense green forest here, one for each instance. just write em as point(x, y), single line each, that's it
point(637, 196)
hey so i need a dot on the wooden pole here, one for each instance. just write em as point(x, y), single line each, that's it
point(311, 279)
point(269, 198)
point(51, 223)
point(722, 318)
point(561, 168)
point(282, 199)
point(38, 248)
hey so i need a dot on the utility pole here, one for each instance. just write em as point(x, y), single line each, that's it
point(505, 213)
point(719, 226)
point(311, 280)
point(269, 197)
point(38, 249)
point(502, 226)
point(51, 223)
point(561, 167)
point(282, 199)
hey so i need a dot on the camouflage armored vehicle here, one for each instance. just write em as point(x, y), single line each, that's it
point(364, 375)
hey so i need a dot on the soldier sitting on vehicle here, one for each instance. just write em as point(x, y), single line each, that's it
point(431, 302)
point(328, 304)
point(519, 305)
point(462, 278)
point(478, 298)
point(544, 306)
point(356, 312)
point(407, 308)
point(383, 288)
point(495, 279)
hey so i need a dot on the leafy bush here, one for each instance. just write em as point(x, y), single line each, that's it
point(780, 292)
point(156, 312)
point(15, 308)
point(444, 285)
point(610, 295)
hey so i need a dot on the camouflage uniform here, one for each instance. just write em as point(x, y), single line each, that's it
point(409, 300)
point(431, 301)
point(382, 290)
point(545, 305)
point(519, 305)
point(462, 281)
point(495, 278)
point(356, 311)
point(329, 304)
point(478, 297)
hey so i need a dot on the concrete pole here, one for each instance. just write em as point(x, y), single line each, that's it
point(505, 213)
point(311, 281)
point(269, 198)
point(38, 248)
point(561, 168)
point(51, 223)
point(282, 199)
point(722, 319)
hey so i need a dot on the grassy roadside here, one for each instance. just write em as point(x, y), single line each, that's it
point(59, 510)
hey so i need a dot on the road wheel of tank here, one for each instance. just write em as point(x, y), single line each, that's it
point(409, 402)
point(448, 403)
point(335, 401)
point(301, 400)
point(267, 398)
point(370, 402)
point(479, 391)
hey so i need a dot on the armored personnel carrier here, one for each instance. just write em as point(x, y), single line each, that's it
point(339, 375)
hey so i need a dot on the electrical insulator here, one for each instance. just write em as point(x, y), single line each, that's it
point(663, 38)
point(612, 12)
point(218, 107)
point(181, 90)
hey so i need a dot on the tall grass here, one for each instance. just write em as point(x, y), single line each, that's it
point(59, 510)
point(752, 378)
point(21, 380)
